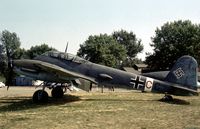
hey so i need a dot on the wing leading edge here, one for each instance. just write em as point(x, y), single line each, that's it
point(49, 68)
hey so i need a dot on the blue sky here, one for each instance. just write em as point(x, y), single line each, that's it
point(57, 22)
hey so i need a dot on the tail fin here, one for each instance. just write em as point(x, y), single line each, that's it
point(184, 72)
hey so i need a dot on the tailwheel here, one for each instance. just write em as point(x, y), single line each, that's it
point(167, 98)
point(40, 96)
point(57, 92)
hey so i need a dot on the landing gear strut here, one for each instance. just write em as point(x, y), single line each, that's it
point(167, 98)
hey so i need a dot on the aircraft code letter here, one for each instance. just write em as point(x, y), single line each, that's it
point(148, 84)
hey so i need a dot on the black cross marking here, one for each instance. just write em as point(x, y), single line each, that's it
point(137, 82)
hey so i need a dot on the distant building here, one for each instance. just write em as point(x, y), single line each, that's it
point(23, 81)
point(140, 67)
point(131, 70)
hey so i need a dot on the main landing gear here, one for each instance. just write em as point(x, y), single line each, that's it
point(41, 96)
point(57, 92)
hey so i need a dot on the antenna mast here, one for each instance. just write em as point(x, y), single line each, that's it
point(66, 48)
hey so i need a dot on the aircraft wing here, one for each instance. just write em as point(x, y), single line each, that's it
point(38, 66)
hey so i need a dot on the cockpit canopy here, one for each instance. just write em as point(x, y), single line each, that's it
point(65, 56)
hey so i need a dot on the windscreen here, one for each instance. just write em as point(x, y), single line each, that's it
point(66, 56)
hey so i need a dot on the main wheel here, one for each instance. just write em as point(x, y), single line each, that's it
point(40, 96)
point(57, 92)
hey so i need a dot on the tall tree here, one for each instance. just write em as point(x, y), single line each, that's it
point(38, 50)
point(102, 49)
point(173, 40)
point(129, 40)
point(10, 43)
point(2, 60)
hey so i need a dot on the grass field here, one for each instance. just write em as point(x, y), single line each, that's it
point(109, 110)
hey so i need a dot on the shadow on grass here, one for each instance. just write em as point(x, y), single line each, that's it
point(176, 101)
point(24, 103)
point(119, 100)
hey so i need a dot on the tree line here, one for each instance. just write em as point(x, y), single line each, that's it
point(171, 41)
point(115, 50)
point(10, 50)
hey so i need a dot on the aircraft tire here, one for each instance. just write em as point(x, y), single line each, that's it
point(40, 96)
point(57, 92)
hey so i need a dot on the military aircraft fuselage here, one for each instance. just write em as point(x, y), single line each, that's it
point(100, 74)
point(108, 76)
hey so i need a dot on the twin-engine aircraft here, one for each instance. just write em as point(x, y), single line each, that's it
point(60, 67)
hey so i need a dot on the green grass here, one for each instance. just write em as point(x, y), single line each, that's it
point(110, 110)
